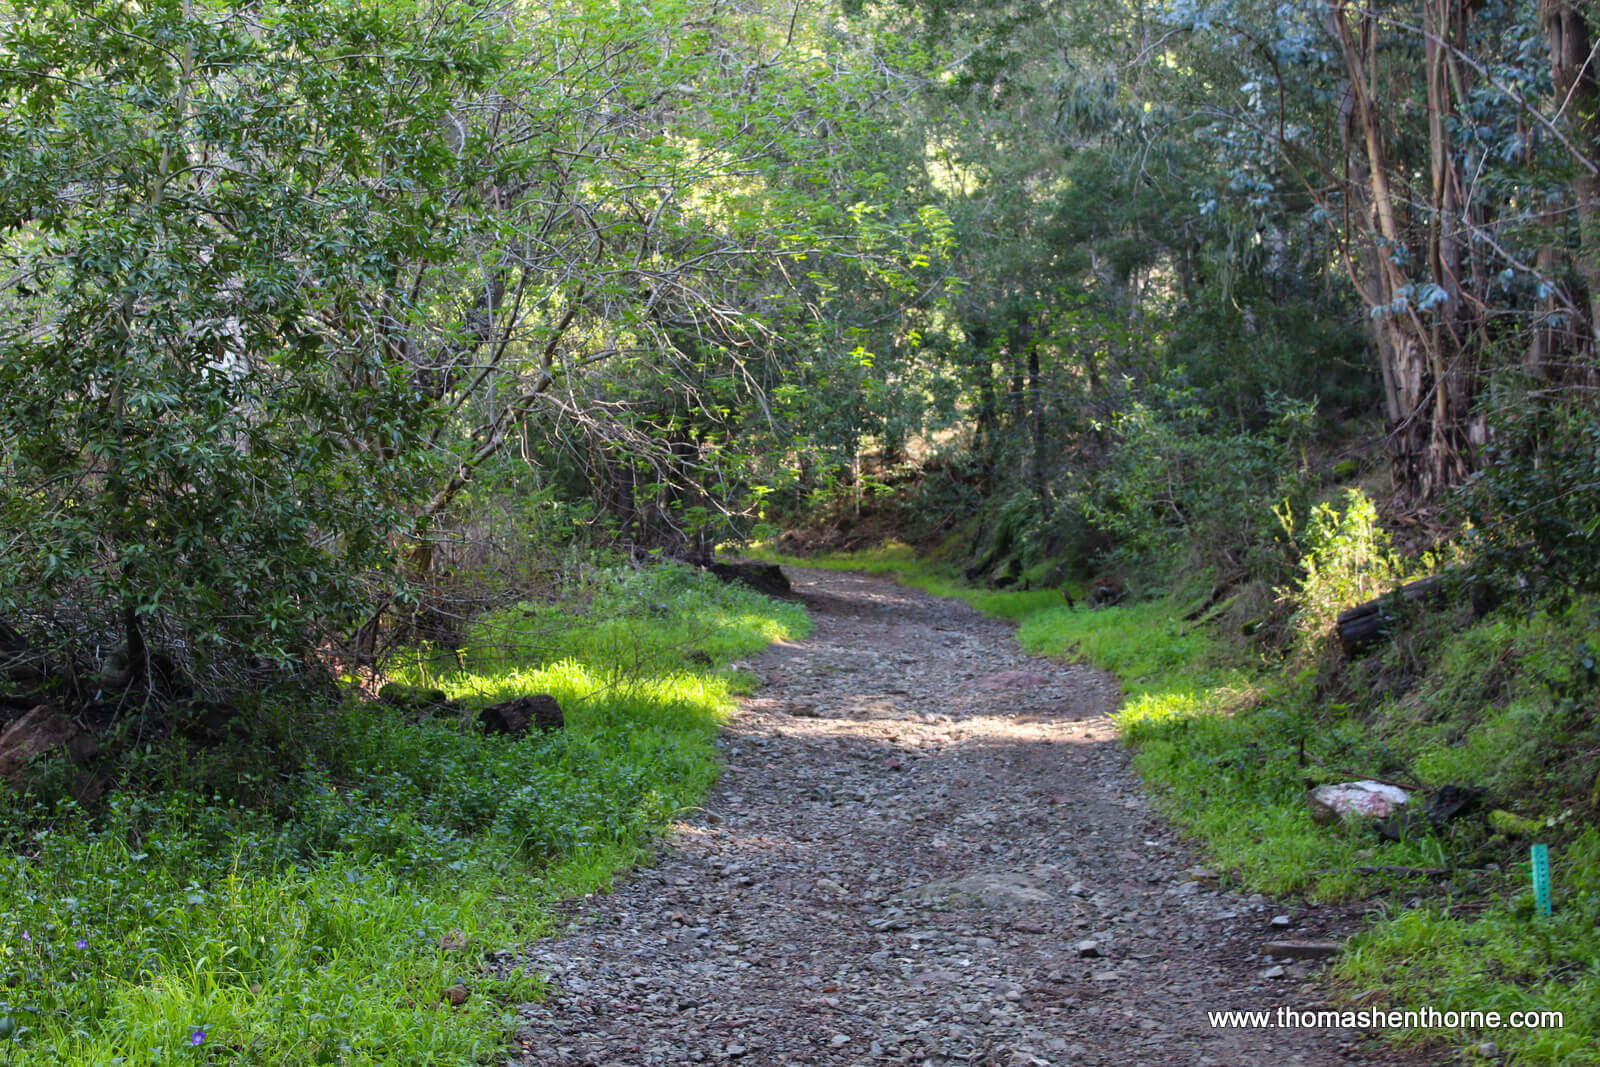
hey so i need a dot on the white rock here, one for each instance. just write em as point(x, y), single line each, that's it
point(1364, 799)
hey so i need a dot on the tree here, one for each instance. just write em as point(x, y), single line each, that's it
point(207, 209)
point(287, 279)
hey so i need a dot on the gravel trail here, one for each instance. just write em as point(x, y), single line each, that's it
point(926, 848)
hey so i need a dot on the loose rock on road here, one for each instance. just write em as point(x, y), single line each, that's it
point(926, 848)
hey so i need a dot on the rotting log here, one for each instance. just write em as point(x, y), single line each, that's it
point(513, 717)
point(1366, 624)
point(765, 578)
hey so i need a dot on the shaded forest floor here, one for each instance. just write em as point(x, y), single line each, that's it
point(926, 847)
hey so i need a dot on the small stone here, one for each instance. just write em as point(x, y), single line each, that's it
point(1274, 971)
point(456, 995)
point(986, 888)
point(1279, 922)
point(839, 1040)
point(1087, 949)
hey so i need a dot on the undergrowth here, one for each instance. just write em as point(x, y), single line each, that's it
point(181, 926)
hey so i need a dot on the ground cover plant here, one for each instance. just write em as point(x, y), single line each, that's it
point(331, 925)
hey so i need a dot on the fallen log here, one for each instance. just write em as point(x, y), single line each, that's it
point(513, 717)
point(1366, 624)
point(765, 578)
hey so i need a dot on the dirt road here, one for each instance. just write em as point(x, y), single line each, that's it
point(927, 848)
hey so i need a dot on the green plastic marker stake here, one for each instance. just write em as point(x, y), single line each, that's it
point(1541, 879)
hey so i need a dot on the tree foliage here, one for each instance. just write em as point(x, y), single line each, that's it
point(208, 211)
point(286, 283)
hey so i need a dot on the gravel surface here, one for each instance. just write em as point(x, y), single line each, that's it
point(926, 848)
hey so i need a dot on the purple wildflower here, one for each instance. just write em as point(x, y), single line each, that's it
point(26, 936)
point(197, 1038)
point(81, 944)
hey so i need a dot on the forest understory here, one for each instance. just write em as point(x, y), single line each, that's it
point(380, 381)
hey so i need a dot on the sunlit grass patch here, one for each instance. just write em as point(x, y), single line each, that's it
point(181, 927)
point(162, 935)
point(1223, 758)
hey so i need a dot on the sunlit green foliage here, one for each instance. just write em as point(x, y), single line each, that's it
point(324, 929)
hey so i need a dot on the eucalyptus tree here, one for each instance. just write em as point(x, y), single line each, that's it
point(1450, 157)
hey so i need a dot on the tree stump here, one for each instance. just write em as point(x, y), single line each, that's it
point(39, 730)
point(513, 717)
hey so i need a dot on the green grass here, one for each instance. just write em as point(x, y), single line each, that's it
point(900, 562)
point(324, 927)
point(1221, 750)
point(1229, 750)
point(1503, 957)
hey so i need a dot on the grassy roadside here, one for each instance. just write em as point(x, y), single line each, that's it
point(320, 920)
point(1229, 750)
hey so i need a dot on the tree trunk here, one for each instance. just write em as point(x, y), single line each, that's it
point(1577, 98)
point(988, 403)
point(1428, 386)
point(1041, 478)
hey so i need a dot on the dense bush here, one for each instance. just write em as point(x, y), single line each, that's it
point(1180, 486)
point(206, 442)
point(1534, 508)
point(1344, 558)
